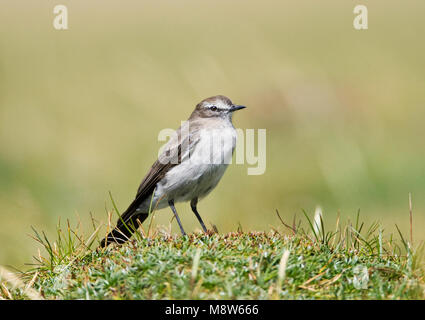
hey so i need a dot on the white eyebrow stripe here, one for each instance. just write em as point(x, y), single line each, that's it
point(218, 108)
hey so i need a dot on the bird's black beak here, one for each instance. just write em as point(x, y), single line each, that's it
point(236, 108)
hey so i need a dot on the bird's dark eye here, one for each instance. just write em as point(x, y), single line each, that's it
point(213, 108)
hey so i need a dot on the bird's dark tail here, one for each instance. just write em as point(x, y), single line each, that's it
point(130, 219)
point(124, 229)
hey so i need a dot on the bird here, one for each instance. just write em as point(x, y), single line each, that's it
point(188, 169)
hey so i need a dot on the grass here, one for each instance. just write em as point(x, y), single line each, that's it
point(80, 110)
point(295, 262)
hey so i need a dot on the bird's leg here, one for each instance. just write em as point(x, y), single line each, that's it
point(193, 204)
point(171, 204)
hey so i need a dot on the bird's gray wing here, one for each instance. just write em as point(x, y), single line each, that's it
point(175, 152)
point(127, 223)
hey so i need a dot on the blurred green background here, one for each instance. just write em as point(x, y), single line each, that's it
point(80, 110)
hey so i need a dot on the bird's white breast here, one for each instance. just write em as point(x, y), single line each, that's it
point(200, 171)
point(196, 176)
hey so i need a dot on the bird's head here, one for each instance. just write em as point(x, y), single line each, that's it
point(216, 107)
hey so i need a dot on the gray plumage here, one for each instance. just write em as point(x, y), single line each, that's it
point(188, 169)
